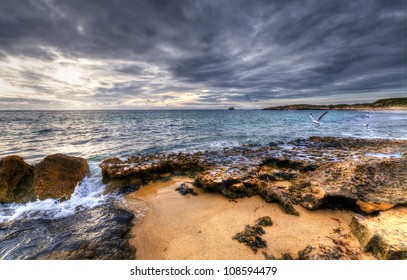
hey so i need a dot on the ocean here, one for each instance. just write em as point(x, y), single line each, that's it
point(98, 135)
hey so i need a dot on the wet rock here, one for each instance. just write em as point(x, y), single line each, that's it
point(56, 176)
point(16, 180)
point(122, 186)
point(183, 189)
point(369, 186)
point(98, 233)
point(384, 235)
point(274, 193)
point(251, 234)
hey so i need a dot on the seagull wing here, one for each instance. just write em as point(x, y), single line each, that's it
point(320, 117)
point(312, 118)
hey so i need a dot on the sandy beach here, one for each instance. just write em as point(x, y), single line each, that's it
point(203, 226)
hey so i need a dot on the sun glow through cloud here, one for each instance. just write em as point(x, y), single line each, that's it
point(194, 54)
point(69, 74)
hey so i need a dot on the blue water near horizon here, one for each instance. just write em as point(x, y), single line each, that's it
point(97, 135)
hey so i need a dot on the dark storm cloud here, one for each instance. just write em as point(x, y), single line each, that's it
point(239, 50)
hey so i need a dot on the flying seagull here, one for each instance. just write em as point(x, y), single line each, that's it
point(318, 121)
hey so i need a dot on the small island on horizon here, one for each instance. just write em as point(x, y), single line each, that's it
point(381, 104)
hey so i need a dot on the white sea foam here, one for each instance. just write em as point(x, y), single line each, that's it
point(88, 194)
point(222, 144)
point(381, 155)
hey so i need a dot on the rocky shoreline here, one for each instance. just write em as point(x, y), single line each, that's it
point(365, 176)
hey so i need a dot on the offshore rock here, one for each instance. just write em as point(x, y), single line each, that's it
point(385, 235)
point(16, 179)
point(369, 186)
point(98, 233)
point(56, 176)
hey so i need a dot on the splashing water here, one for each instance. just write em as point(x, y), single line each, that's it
point(88, 194)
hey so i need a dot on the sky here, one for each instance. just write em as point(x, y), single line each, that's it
point(145, 54)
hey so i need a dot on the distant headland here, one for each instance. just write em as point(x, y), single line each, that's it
point(381, 104)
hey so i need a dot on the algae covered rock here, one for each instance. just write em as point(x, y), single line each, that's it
point(56, 176)
point(184, 189)
point(16, 179)
point(251, 234)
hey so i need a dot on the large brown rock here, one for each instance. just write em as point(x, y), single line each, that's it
point(373, 185)
point(385, 236)
point(16, 179)
point(122, 176)
point(231, 182)
point(56, 176)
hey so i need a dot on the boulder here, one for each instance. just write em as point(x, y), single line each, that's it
point(56, 176)
point(367, 186)
point(16, 180)
point(231, 182)
point(384, 235)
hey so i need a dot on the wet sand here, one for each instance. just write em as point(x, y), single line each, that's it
point(202, 227)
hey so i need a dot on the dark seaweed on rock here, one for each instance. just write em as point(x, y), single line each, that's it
point(264, 221)
point(251, 234)
point(183, 189)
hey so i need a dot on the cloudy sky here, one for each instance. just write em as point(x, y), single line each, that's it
point(118, 54)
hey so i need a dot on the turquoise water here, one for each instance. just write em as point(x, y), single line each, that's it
point(96, 135)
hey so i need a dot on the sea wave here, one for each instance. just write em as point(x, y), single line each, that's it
point(88, 194)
